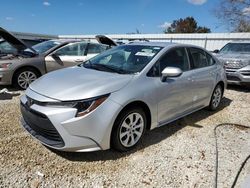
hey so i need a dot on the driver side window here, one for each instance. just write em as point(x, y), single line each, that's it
point(173, 58)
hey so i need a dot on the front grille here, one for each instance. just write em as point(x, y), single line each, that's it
point(40, 127)
point(234, 65)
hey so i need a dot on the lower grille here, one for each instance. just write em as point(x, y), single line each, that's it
point(245, 73)
point(233, 78)
point(40, 127)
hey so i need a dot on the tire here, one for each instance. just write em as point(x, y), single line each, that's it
point(126, 134)
point(216, 98)
point(24, 77)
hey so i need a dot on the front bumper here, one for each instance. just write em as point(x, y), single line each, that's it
point(58, 128)
point(5, 77)
point(238, 76)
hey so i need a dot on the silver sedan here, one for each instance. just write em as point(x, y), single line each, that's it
point(113, 98)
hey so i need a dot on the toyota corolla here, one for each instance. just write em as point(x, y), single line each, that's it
point(110, 100)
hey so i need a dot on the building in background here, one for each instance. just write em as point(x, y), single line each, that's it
point(210, 41)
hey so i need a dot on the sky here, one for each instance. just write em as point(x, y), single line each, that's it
point(103, 16)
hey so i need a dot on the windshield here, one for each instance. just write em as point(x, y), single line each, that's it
point(126, 59)
point(236, 47)
point(45, 46)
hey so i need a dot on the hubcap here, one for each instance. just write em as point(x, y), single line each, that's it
point(25, 78)
point(216, 97)
point(131, 129)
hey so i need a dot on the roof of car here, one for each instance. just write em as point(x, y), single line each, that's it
point(241, 41)
point(163, 44)
point(67, 40)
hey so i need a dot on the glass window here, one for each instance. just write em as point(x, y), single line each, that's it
point(123, 59)
point(96, 48)
point(6, 48)
point(210, 60)
point(82, 48)
point(175, 58)
point(69, 50)
point(198, 58)
point(45, 46)
point(236, 47)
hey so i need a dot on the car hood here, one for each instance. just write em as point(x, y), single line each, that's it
point(13, 41)
point(77, 83)
point(234, 56)
point(102, 39)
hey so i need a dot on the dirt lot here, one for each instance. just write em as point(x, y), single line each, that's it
point(181, 154)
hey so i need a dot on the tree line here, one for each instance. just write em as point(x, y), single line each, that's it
point(234, 14)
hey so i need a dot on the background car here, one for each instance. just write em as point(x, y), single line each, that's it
point(26, 64)
point(6, 48)
point(236, 58)
point(115, 96)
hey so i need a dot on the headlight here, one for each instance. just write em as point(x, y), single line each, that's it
point(83, 107)
point(5, 65)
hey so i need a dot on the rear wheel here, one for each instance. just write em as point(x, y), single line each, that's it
point(24, 77)
point(216, 98)
point(128, 130)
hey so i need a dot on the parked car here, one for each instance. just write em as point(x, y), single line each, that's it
point(29, 63)
point(110, 100)
point(236, 59)
point(6, 48)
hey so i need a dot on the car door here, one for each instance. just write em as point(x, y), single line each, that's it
point(174, 94)
point(94, 49)
point(204, 77)
point(66, 56)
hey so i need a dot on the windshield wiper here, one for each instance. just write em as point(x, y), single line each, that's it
point(101, 67)
point(111, 68)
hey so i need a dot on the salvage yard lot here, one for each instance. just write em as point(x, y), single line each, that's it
point(181, 154)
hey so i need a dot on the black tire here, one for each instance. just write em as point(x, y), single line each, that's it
point(20, 72)
point(116, 141)
point(215, 100)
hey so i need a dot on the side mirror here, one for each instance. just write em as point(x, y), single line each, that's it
point(55, 56)
point(170, 72)
point(216, 51)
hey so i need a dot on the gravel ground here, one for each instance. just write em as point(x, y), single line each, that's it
point(181, 154)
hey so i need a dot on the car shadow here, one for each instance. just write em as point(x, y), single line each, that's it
point(239, 88)
point(150, 138)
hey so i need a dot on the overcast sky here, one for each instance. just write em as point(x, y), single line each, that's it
point(103, 16)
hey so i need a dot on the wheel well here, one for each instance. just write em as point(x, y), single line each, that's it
point(145, 108)
point(26, 67)
point(221, 83)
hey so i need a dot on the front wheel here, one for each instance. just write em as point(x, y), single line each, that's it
point(128, 130)
point(24, 77)
point(216, 98)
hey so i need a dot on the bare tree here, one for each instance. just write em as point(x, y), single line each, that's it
point(235, 14)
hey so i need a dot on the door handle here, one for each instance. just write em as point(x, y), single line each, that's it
point(78, 60)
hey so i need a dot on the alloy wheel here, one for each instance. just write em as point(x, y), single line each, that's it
point(216, 97)
point(131, 129)
point(25, 78)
